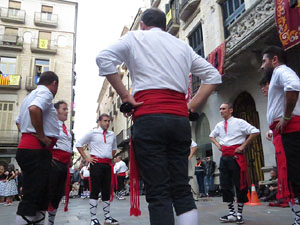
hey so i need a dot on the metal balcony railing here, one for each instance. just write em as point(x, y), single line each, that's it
point(9, 136)
point(12, 15)
point(45, 19)
point(30, 83)
point(43, 45)
point(12, 42)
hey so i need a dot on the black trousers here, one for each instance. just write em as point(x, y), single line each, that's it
point(121, 184)
point(291, 145)
point(100, 174)
point(35, 165)
point(230, 179)
point(57, 183)
point(162, 145)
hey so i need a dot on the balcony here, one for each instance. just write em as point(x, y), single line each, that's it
point(45, 19)
point(30, 83)
point(11, 42)
point(172, 22)
point(250, 26)
point(188, 7)
point(12, 15)
point(9, 137)
point(12, 81)
point(155, 3)
point(123, 137)
point(39, 45)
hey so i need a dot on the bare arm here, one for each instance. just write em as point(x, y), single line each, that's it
point(216, 143)
point(83, 155)
point(247, 142)
point(36, 116)
point(201, 96)
point(291, 98)
point(113, 152)
point(193, 150)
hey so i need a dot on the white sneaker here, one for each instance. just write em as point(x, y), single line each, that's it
point(228, 218)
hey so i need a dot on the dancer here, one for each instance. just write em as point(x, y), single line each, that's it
point(233, 140)
point(103, 145)
point(120, 169)
point(40, 129)
point(159, 65)
point(283, 116)
point(61, 155)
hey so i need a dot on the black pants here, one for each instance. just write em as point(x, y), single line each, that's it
point(230, 178)
point(121, 184)
point(35, 165)
point(291, 145)
point(162, 145)
point(58, 177)
point(100, 174)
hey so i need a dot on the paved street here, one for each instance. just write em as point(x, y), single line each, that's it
point(209, 211)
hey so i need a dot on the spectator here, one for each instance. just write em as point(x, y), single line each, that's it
point(268, 189)
point(210, 167)
point(85, 176)
point(10, 188)
point(200, 173)
point(2, 183)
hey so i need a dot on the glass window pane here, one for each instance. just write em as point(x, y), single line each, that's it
point(4, 107)
point(230, 7)
point(10, 107)
point(41, 62)
point(12, 69)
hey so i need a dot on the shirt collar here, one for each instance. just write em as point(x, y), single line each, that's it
point(156, 29)
point(100, 130)
point(229, 119)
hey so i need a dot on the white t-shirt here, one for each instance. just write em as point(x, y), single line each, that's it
point(283, 79)
point(237, 131)
point(85, 171)
point(156, 60)
point(120, 167)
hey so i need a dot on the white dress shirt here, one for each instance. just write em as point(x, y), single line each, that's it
point(120, 167)
point(95, 140)
point(237, 131)
point(64, 142)
point(42, 98)
point(156, 60)
point(193, 144)
point(283, 79)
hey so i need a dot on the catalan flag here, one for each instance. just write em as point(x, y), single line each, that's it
point(4, 79)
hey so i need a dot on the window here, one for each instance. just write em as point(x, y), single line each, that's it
point(44, 40)
point(196, 42)
point(14, 8)
point(8, 65)
point(6, 115)
point(40, 66)
point(10, 35)
point(172, 12)
point(47, 11)
point(232, 9)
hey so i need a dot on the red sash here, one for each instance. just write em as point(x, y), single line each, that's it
point(64, 157)
point(156, 101)
point(29, 141)
point(241, 160)
point(122, 174)
point(112, 183)
point(283, 190)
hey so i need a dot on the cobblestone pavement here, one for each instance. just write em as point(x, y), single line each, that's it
point(209, 211)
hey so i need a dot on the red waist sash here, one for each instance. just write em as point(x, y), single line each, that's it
point(283, 190)
point(241, 160)
point(112, 183)
point(29, 141)
point(156, 101)
point(61, 155)
point(122, 174)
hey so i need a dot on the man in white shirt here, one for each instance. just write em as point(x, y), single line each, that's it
point(61, 159)
point(85, 177)
point(159, 66)
point(103, 145)
point(234, 136)
point(120, 169)
point(39, 126)
point(283, 116)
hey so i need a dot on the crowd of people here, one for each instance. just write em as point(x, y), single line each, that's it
point(160, 146)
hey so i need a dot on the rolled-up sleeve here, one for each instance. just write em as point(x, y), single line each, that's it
point(109, 58)
point(43, 100)
point(248, 128)
point(290, 81)
point(214, 133)
point(204, 70)
point(84, 140)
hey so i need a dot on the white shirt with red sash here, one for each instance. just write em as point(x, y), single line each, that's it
point(64, 142)
point(120, 167)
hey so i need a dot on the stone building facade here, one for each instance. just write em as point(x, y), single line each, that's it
point(35, 36)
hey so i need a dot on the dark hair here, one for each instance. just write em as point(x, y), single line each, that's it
point(154, 17)
point(273, 50)
point(266, 78)
point(198, 158)
point(230, 105)
point(47, 78)
point(103, 115)
point(57, 104)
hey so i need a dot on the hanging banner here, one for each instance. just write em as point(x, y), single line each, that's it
point(43, 43)
point(9, 80)
point(217, 58)
point(4, 79)
point(288, 23)
point(14, 79)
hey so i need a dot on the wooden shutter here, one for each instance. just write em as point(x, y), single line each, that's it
point(14, 5)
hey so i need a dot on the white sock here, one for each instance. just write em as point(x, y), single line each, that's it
point(296, 210)
point(93, 208)
point(106, 209)
point(51, 217)
point(23, 220)
point(188, 218)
